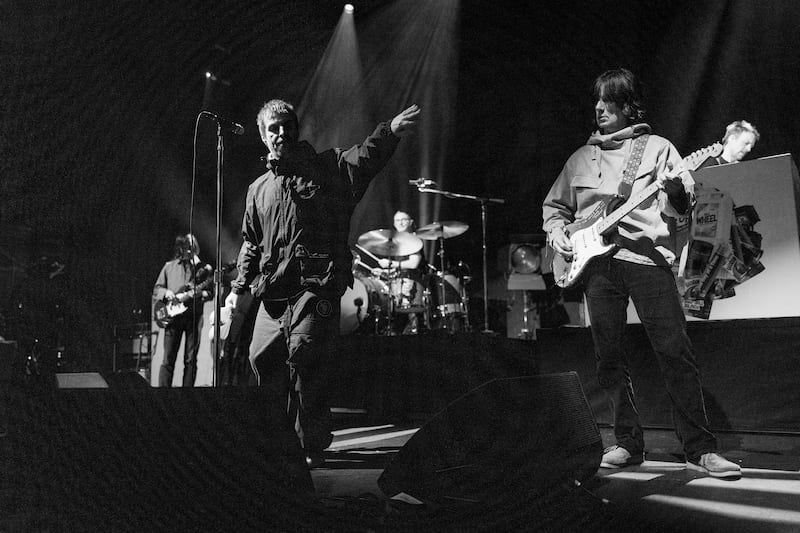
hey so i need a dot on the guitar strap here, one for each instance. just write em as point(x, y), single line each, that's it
point(643, 247)
point(634, 160)
point(628, 177)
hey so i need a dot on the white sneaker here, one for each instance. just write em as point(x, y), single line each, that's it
point(618, 457)
point(715, 465)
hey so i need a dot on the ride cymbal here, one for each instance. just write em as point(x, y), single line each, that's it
point(445, 229)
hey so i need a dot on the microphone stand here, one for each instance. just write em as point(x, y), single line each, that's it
point(218, 269)
point(483, 201)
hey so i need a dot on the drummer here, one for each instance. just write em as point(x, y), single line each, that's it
point(407, 272)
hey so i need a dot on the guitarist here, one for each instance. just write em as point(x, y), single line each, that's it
point(623, 158)
point(183, 280)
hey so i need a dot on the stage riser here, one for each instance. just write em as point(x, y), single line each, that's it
point(749, 370)
point(412, 377)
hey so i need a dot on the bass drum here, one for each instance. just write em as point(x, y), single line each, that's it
point(364, 306)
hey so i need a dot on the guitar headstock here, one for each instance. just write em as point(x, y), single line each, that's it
point(698, 157)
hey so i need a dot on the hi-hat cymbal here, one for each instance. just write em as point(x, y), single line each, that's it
point(446, 229)
point(390, 243)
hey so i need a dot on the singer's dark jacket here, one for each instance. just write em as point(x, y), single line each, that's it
point(297, 218)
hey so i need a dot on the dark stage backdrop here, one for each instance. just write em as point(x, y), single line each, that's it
point(99, 102)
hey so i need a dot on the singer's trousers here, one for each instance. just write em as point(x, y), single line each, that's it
point(289, 355)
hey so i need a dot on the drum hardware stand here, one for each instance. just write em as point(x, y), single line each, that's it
point(483, 201)
point(442, 296)
point(390, 311)
point(527, 333)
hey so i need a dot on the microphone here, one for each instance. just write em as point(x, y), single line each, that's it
point(422, 182)
point(225, 124)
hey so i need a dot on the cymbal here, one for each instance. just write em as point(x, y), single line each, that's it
point(390, 243)
point(446, 229)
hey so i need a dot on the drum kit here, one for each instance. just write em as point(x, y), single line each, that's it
point(381, 299)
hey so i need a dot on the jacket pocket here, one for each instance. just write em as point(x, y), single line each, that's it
point(316, 268)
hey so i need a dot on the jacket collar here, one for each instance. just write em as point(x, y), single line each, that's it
point(615, 140)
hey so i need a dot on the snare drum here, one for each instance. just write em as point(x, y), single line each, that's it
point(408, 295)
point(366, 302)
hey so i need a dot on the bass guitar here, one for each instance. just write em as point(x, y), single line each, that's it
point(167, 311)
point(589, 236)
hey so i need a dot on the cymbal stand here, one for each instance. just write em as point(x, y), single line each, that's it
point(440, 274)
point(391, 276)
point(483, 201)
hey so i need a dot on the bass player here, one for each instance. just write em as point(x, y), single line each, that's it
point(622, 159)
point(182, 286)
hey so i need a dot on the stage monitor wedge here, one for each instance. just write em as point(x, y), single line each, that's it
point(510, 437)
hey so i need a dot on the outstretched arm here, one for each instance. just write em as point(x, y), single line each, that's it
point(362, 162)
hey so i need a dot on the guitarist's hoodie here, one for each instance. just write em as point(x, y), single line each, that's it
point(590, 181)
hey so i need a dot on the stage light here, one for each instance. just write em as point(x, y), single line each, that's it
point(348, 8)
point(208, 74)
point(525, 262)
point(526, 259)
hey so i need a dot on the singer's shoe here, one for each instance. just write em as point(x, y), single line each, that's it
point(618, 457)
point(715, 465)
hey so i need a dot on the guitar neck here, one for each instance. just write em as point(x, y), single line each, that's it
point(690, 162)
point(612, 219)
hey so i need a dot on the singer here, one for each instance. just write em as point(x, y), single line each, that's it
point(296, 260)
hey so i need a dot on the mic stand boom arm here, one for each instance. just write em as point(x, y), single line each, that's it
point(483, 201)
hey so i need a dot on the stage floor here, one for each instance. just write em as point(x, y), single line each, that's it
point(659, 495)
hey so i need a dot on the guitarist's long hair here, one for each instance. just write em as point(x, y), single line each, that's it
point(185, 248)
point(622, 87)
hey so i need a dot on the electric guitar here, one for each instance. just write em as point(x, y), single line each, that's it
point(588, 236)
point(225, 315)
point(167, 311)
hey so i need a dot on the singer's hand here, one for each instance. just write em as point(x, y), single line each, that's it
point(406, 121)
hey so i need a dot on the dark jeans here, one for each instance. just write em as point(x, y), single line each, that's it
point(288, 354)
point(187, 323)
point(608, 285)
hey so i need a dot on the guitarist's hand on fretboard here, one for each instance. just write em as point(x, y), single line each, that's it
point(672, 184)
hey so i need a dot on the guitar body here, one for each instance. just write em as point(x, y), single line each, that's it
point(166, 312)
point(225, 315)
point(587, 244)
